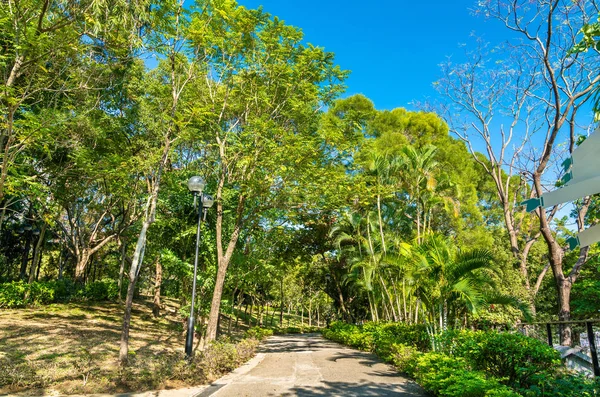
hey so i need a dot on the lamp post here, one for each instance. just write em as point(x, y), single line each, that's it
point(196, 185)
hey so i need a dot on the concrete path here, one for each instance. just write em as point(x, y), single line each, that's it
point(309, 365)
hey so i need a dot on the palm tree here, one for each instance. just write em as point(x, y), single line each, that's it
point(450, 279)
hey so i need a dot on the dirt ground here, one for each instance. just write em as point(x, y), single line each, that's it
point(73, 349)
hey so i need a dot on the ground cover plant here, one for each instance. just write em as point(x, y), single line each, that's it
point(467, 363)
point(71, 349)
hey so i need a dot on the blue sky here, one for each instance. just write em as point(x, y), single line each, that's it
point(392, 48)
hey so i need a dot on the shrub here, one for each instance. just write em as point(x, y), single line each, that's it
point(449, 376)
point(246, 349)
point(564, 385)
point(259, 333)
point(515, 358)
point(101, 290)
point(222, 356)
point(13, 294)
point(40, 293)
point(386, 334)
point(404, 357)
point(45, 292)
point(219, 357)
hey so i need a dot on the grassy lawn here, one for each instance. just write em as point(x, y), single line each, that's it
point(73, 348)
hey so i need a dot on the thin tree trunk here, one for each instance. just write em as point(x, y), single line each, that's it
point(133, 274)
point(122, 268)
point(371, 308)
point(25, 257)
point(157, 284)
point(417, 311)
point(39, 265)
point(406, 315)
point(282, 303)
point(318, 317)
point(251, 312)
point(60, 263)
point(389, 297)
point(37, 253)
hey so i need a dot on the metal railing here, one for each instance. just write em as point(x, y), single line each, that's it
point(591, 336)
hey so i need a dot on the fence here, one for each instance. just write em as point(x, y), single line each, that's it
point(588, 339)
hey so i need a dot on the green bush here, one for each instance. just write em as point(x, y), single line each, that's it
point(386, 334)
point(101, 290)
point(378, 337)
point(516, 359)
point(40, 294)
point(13, 294)
point(37, 293)
point(404, 357)
point(222, 356)
point(564, 385)
point(259, 333)
point(444, 375)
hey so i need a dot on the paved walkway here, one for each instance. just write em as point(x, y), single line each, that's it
point(308, 365)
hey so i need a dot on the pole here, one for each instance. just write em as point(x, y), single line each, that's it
point(593, 351)
point(549, 332)
point(189, 339)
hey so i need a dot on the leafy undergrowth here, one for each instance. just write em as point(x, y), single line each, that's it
point(468, 363)
point(73, 349)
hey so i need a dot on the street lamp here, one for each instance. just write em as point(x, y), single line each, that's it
point(196, 185)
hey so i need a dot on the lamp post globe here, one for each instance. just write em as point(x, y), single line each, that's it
point(207, 201)
point(196, 184)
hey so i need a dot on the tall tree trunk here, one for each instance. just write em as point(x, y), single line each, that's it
point(133, 274)
point(406, 313)
point(318, 316)
point(371, 308)
point(389, 297)
point(282, 303)
point(39, 265)
point(122, 267)
point(157, 284)
point(251, 313)
point(25, 257)
point(60, 263)
point(37, 253)
point(223, 259)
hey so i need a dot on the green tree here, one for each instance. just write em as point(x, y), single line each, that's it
point(263, 91)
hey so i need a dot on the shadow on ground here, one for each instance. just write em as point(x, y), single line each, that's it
point(354, 389)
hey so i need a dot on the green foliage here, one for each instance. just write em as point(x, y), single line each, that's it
point(20, 294)
point(378, 337)
point(12, 294)
point(404, 357)
point(466, 363)
point(444, 375)
point(514, 358)
point(564, 385)
point(259, 333)
point(101, 290)
point(222, 356)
